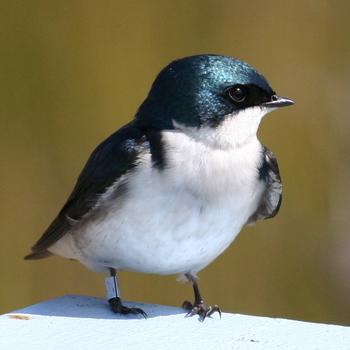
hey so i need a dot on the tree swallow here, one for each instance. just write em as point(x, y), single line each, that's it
point(169, 192)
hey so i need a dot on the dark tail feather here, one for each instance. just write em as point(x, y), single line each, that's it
point(37, 255)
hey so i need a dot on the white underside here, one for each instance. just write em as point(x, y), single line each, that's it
point(175, 220)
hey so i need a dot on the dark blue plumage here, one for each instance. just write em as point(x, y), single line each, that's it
point(192, 91)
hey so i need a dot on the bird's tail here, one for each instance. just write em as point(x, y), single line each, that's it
point(37, 255)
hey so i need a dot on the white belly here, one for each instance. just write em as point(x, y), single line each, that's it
point(176, 220)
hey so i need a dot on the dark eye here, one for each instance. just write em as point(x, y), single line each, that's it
point(237, 93)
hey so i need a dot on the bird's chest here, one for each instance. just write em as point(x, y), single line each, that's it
point(225, 178)
point(179, 218)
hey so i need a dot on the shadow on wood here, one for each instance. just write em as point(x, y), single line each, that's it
point(91, 307)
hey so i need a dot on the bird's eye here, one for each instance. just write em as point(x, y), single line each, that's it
point(237, 93)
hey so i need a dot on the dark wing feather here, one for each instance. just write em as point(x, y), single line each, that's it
point(272, 196)
point(109, 161)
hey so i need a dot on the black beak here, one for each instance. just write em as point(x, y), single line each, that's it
point(278, 101)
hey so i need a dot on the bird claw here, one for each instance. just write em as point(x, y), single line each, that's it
point(200, 309)
point(119, 308)
point(134, 311)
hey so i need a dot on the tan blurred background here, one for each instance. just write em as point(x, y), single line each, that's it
point(72, 72)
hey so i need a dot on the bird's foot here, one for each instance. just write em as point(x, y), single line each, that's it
point(119, 308)
point(200, 309)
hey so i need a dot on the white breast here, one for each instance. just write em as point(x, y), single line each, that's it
point(175, 220)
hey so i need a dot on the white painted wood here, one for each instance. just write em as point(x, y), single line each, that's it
point(79, 322)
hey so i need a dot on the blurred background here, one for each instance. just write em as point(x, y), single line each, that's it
point(72, 72)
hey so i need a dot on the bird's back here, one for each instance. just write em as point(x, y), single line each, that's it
point(107, 164)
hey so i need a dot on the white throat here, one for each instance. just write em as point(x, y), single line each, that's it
point(236, 130)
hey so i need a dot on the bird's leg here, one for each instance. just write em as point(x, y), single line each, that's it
point(113, 296)
point(198, 307)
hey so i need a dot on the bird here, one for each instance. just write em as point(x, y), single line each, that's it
point(169, 192)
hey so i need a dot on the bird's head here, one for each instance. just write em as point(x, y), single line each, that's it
point(210, 97)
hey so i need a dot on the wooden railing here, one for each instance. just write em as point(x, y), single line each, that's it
point(78, 322)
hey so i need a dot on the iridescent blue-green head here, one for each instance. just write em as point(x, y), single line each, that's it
point(204, 90)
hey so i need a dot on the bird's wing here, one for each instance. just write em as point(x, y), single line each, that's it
point(272, 197)
point(114, 157)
